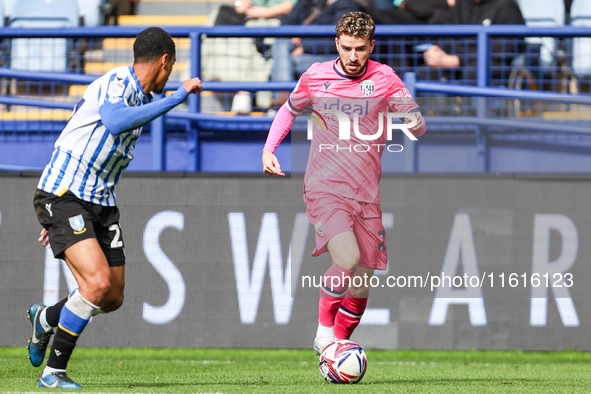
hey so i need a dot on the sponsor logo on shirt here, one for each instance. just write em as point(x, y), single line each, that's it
point(353, 117)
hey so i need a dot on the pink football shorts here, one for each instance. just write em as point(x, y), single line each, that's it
point(331, 214)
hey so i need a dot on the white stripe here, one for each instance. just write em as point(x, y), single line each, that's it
point(333, 295)
point(350, 314)
point(293, 110)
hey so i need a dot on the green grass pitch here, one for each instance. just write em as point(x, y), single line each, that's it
point(296, 371)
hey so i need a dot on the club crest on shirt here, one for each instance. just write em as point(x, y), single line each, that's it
point(77, 224)
point(367, 87)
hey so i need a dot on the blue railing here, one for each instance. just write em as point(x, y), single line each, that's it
point(483, 37)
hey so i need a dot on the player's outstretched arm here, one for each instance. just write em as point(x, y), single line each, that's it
point(118, 117)
point(279, 129)
point(271, 165)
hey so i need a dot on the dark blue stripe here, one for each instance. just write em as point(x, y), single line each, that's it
point(337, 293)
point(105, 194)
point(72, 322)
point(126, 163)
point(53, 159)
point(351, 312)
point(293, 107)
point(62, 171)
point(92, 160)
point(137, 81)
point(99, 94)
point(110, 80)
point(334, 67)
point(105, 163)
point(82, 155)
point(125, 142)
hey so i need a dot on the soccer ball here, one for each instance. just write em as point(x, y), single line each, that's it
point(343, 362)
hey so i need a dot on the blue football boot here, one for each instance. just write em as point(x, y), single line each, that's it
point(58, 380)
point(39, 339)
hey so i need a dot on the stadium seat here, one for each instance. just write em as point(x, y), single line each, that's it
point(580, 15)
point(8, 6)
point(543, 13)
point(91, 11)
point(162, 20)
point(42, 54)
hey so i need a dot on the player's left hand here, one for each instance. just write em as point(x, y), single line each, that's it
point(44, 238)
point(271, 165)
point(418, 129)
point(192, 85)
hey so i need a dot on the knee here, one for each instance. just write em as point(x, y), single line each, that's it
point(96, 287)
point(359, 292)
point(112, 304)
point(349, 261)
point(100, 285)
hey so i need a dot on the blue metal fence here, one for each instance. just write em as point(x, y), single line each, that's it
point(480, 75)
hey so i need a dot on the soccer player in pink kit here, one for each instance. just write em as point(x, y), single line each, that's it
point(341, 184)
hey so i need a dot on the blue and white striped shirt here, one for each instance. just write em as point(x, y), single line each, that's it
point(89, 159)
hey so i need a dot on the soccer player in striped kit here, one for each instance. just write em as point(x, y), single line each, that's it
point(75, 199)
point(341, 184)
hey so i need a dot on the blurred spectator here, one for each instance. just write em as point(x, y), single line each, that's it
point(291, 57)
point(473, 12)
point(113, 8)
point(243, 10)
point(410, 12)
point(567, 5)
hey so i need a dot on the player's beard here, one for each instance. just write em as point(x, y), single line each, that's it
point(358, 70)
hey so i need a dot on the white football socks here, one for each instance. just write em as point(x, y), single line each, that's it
point(325, 334)
point(49, 371)
point(43, 320)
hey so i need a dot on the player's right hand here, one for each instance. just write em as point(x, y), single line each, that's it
point(271, 165)
point(44, 238)
point(192, 85)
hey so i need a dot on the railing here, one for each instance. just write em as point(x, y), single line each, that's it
point(483, 37)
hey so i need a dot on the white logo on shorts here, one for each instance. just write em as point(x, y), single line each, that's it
point(319, 230)
point(48, 207)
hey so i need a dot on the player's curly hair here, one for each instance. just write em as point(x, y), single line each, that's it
point(152, 43)
point(356, 24)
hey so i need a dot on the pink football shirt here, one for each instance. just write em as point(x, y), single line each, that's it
point(348, 167)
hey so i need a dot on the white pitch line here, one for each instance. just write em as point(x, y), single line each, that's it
point(89, 392)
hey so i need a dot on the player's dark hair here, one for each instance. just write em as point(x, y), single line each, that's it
point(152, 43)
point(356, 24)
